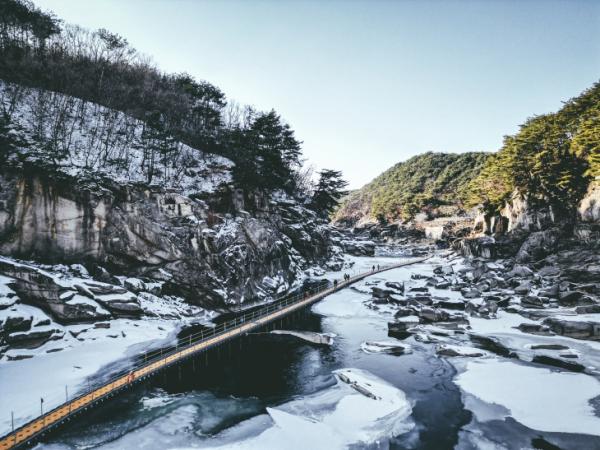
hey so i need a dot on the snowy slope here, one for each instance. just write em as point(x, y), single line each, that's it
point(79, 138)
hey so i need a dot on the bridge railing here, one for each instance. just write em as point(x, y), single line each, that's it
point(162, 354)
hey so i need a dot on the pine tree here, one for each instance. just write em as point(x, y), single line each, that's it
point(586, 143)
point(328, 191)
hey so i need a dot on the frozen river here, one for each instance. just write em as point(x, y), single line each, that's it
point(267, 392)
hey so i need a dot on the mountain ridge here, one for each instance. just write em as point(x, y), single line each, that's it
point(431, 182)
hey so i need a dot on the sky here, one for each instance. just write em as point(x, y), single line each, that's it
point(367, 84)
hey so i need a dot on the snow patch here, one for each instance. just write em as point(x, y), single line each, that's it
point(537, 397)
point(336, 418)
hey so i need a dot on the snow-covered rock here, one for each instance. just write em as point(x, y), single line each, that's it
point(391, 347)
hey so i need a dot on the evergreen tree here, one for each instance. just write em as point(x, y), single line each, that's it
point(266, 154)
point(328, 191)
point(586, 143)
point(551, 159)
point(10, 139)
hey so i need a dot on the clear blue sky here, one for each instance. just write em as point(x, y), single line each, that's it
point(368, 84)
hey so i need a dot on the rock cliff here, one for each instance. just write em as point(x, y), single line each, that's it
point(210, 257)
point(81, 183)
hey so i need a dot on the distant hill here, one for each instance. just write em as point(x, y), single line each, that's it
point(422, 183)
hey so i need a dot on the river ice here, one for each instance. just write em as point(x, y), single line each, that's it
point(539, 398)
point(333, 418)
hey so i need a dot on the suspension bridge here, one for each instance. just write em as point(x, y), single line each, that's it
point(193, 344)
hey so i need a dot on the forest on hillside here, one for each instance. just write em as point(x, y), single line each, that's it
point(552, 159)
point(422, 183)
point(99, 74)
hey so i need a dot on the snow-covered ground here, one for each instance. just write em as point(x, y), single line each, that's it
point(24, 382)
point(537, 397)
point(76, 354)
point(101, 141)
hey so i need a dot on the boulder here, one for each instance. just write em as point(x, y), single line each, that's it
point(134, 285)
point(378, 292)
point(492, 344)
point(74, 313)
point(570, 298)
point(538, 245)
point(535, 328)
point(588, 309)
point(520, 271)
point(532, 301)
point(401, 328)
point(17, 322)
point(397, 286)
point(358, 248)
point(433, 315)
point(102, 289)
point(125, 309)
point(588, 273)
point(577, 329)
point(470, 293)
point(419, 300)
point(523, 288)
point(549, 347)
point(453, 350)
point(404, 312)
point(449, 304)
point(549, 271)
point(419, 289)
point(558, 362)
point(33, 338)
point(398, 300)
point(551, 291)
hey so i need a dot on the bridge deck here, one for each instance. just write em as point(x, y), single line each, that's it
point(237, 327)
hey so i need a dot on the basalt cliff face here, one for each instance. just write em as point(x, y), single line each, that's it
point(102, 223)
point(208, 257)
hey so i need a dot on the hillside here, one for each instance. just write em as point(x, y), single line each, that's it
point(53, 131)
point(551, 161)
point(427, 182)
point(107, 162)
point(73, 66)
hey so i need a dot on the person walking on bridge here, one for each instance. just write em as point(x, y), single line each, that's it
point(130, 377)
point(373, 269)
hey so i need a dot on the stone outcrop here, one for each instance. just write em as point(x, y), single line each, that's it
point(589, 207)
point(204, 249)
point(577, 329)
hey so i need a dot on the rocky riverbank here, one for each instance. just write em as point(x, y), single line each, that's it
point(548, 312)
